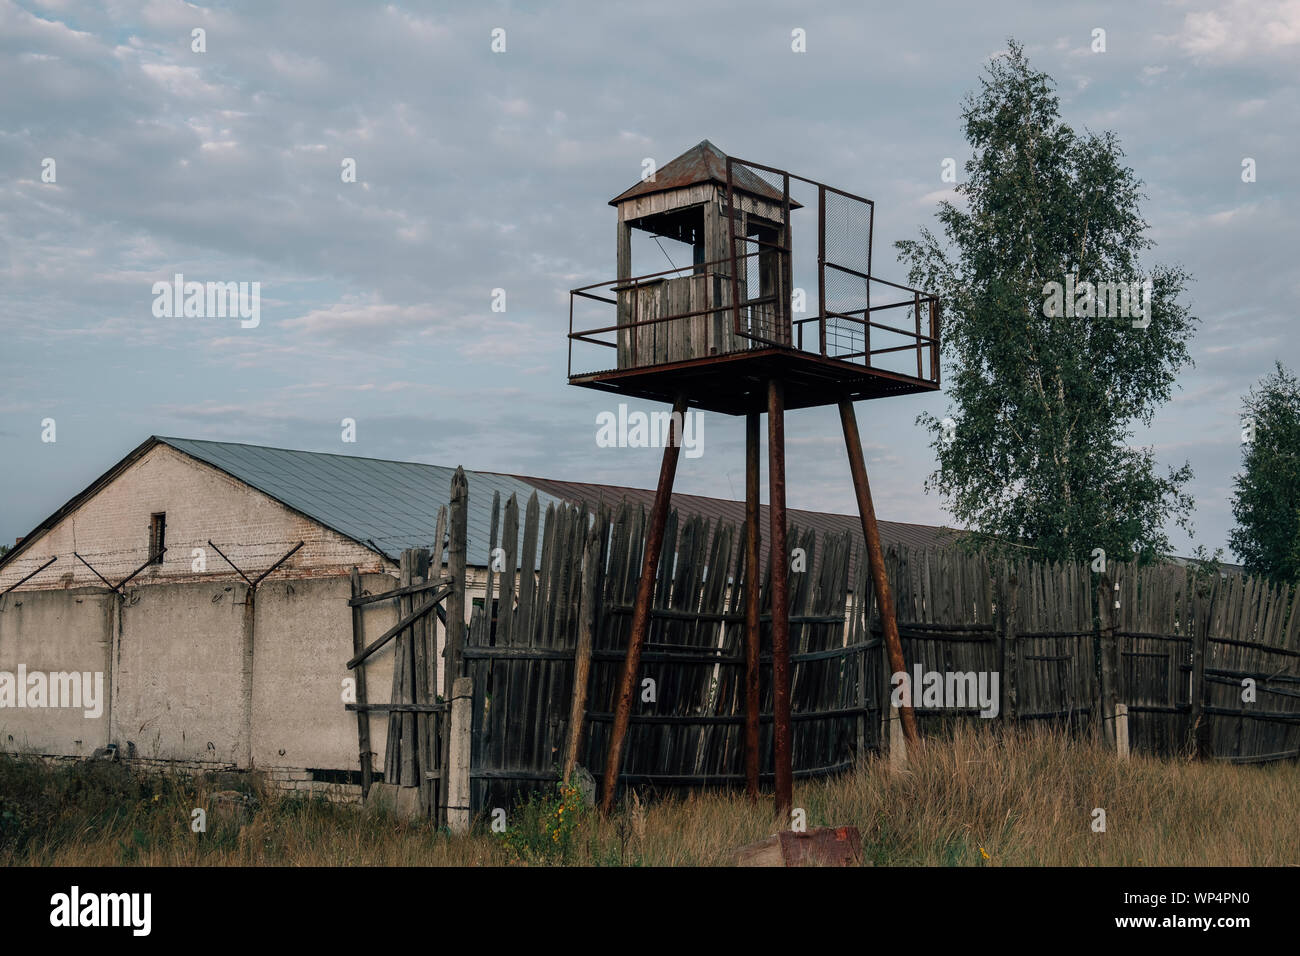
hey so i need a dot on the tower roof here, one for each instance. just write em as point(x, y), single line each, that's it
point(702, 163)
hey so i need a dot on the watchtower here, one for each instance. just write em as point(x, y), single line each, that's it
point(747, 326)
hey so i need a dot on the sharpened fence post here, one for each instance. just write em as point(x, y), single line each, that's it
point(460, 753)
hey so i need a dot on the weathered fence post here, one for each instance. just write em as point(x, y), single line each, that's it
point(752, 578)
point(1010, 653)
point(363, 714)
point(1121, 729)
point(862, 703)
point(1199, 730)
point(395, 754)
point(591, 574)
point(458, 764)
point(1108, 649)
point(414, 569)
point(897, 741)
point(422, 690)
point(455, 639)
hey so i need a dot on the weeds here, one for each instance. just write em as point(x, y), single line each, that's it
point(979, 798)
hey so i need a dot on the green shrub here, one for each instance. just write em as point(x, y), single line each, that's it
point(545, 826)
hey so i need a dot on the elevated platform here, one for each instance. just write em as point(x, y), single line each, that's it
point(736, 383)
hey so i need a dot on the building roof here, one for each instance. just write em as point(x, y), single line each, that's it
point(725, 509)
point(388, 506)
point(702, 163)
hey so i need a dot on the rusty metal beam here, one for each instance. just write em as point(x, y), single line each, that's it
point(876, 559)
point(753, 578)
point(644, 596)
point(783, 766)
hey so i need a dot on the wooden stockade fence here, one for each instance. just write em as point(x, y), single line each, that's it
point(1149, 659)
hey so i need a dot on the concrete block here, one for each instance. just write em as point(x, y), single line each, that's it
point(402, 802)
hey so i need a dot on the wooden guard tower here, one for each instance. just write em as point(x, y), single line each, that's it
point(747, 327)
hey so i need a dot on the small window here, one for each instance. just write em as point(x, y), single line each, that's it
point(157, 537)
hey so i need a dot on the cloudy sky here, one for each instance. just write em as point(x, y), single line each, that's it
point(478, 170)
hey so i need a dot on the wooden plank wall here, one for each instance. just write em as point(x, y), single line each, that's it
point(522, 669)
point(1253, 633)
point(1053, 646)
point(1034, 624)
point(677, 339)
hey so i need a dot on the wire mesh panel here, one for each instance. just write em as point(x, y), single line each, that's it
point(846, 226)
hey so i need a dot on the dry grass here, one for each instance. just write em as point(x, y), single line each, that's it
point(981, 798)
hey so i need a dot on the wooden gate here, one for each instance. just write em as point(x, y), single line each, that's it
point(415, 754)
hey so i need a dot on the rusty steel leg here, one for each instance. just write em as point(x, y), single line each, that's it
point(644, 596)
point(876, 558)
point(780, 598)
point(753, 577)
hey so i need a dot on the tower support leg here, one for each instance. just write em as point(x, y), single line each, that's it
point(876, 558)
point(644, 598)
point(780, 598)
point(754, 577)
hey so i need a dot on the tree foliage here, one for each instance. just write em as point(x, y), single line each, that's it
point(1266, 499)
point(1043, 405)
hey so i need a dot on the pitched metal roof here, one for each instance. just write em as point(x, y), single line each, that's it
point(392, 505)
point(386, 505)
point(702, 163)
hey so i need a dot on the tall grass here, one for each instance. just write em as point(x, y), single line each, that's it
point(979, 798)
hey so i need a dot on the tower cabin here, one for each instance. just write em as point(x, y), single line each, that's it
point(719, 327)
point(687, 201)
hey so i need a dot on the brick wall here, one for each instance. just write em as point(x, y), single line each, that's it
point(111, 531)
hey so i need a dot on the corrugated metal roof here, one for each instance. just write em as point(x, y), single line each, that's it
point(393, 504)
point(702, 163)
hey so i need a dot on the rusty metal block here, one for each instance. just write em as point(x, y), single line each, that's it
point(823, 846)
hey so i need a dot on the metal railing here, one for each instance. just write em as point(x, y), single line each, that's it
point(844, 335)
point(847, 327)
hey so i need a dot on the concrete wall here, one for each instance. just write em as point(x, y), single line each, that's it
point(177, 673)
point(55, 631)
point(303, 642)
point(195, 674)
